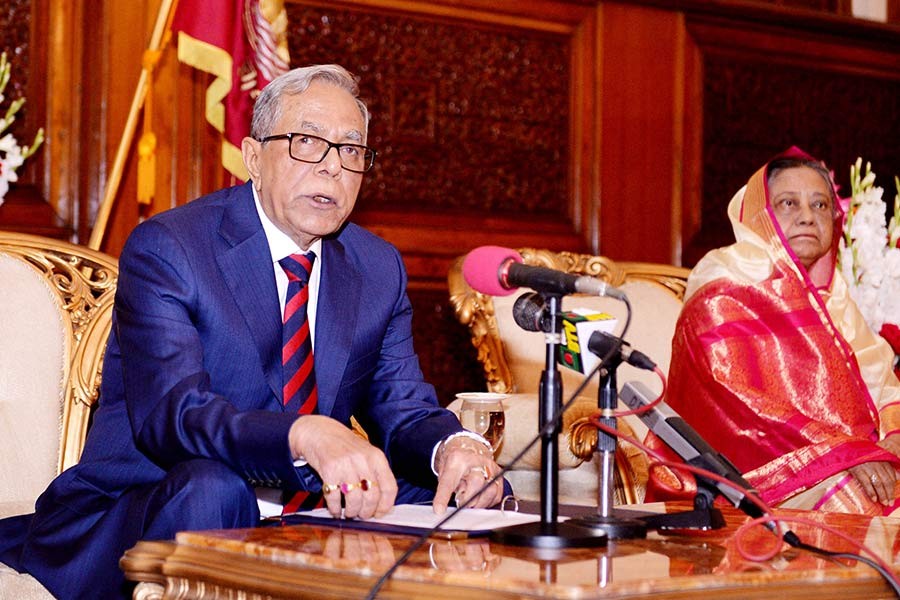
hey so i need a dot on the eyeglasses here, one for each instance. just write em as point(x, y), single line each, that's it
point(313, 149)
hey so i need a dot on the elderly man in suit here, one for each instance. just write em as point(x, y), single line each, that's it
point(210, 401)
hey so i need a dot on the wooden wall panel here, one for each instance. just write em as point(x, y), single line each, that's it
point(187, 163)
point(763, 91)
point(482, 122)
point(61, 33)
point(26, 207)
point(620, 127)
point(473, 121)
point(640, 158)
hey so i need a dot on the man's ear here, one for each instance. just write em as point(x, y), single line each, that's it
point(250, 150)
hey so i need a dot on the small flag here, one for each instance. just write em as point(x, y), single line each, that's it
point(243, 44)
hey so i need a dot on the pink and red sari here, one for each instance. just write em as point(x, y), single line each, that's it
point(775, 367)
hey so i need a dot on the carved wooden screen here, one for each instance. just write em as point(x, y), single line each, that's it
point(766, 90)
point(473, 120)
point(475, 116)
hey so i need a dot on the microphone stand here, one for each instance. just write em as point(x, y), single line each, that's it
point(549, 534)
point(625, 523)
point(616, 524)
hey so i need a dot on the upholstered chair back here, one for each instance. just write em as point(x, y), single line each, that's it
point(34, 350)
point(513, 359)
point(55, 310)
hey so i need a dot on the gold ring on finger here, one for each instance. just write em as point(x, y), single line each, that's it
point(330, 487)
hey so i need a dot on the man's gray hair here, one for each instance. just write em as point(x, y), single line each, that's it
point(268, 106)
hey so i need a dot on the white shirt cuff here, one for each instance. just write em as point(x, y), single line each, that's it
point(462, 433)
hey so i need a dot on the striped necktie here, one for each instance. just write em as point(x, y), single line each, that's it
point(298, 376)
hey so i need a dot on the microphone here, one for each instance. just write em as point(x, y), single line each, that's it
point(601, 343)
point(578, 326)
point(693, 449)
point(499, 271)
point(529, 312)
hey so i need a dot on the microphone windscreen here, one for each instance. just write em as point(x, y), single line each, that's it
point(481, 269)
point(528, 311)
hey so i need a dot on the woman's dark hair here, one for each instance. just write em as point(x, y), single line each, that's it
point(781, 164)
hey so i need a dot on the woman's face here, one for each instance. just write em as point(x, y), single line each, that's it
point(801, 200)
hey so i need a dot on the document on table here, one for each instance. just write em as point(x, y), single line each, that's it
point(418, 518)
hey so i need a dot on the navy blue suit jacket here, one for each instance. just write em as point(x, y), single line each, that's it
point(193, 370)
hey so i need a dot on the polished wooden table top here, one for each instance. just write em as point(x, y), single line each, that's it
point(305, 561)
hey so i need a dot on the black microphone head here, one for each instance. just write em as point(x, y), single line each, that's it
point(602, 343)
point(528, 311)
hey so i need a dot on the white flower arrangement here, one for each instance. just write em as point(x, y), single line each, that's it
point(869, 252)
point(12, 155)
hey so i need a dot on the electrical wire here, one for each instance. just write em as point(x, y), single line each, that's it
point(548, 428)
point(770, 519)
point(876, 562)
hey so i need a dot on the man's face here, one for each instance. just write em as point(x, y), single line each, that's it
point(802, 204)
point(308, 201)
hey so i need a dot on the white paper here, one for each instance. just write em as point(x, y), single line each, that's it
point(422, 516)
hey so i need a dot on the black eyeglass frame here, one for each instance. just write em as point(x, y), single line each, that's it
point(290, 138)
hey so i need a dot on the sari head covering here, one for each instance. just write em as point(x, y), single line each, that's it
point(772, 362)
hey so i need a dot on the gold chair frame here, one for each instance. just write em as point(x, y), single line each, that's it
point(476, 311)
point(85, 281)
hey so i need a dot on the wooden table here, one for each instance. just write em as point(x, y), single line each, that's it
point(304, 561)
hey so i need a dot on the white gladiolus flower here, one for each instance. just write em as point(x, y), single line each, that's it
point(12, 155)
point(868, 260)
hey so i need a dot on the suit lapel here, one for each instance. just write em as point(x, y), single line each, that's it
point(336, 315)
point(247, 268)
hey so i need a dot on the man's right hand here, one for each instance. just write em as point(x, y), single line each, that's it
point(345, 461)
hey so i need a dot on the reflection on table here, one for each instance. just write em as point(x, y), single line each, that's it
point(315, 561)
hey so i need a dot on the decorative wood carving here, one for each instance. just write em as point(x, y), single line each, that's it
point(444, 346)
point(764, 92)
point(15, 40)
point(26, 208)
point(85, 283)
point(471, 119)
point(462, 115)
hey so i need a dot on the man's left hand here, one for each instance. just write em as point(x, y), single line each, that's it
point(464, 466)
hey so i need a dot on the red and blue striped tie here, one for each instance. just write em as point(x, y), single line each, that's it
point(298, 375)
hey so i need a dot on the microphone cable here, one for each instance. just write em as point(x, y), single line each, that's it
point(877, 564)
point(546, 430)
point(771, 521)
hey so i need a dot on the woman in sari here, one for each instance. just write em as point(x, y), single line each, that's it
point(772, 362)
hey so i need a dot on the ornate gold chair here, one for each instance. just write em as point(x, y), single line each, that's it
point(513, 360)
point(56, 303)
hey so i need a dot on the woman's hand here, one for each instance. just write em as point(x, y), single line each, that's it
point(877, 480)
point(892, 444)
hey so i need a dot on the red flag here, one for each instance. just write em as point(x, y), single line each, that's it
point(242, 44)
